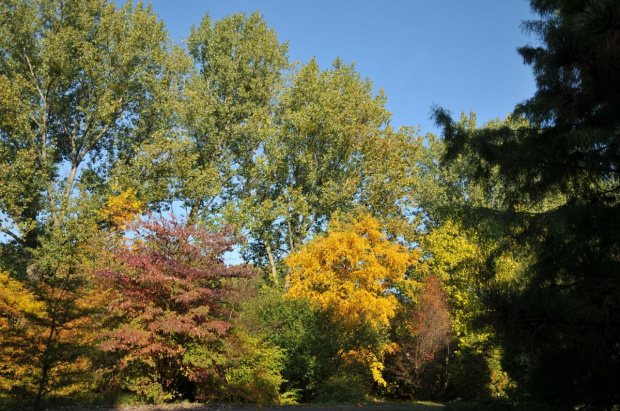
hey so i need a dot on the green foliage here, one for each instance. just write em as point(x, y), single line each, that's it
point(476, 371)
point(329, 149)
point(342, 389)
point(81, 86)
point(305, 337)
point(253, 372)
point(227, 106)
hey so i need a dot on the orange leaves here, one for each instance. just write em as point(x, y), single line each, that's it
point(353, 271)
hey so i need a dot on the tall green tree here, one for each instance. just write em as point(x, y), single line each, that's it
point(559, 322)
point(82, 85)
point(278, 151)
point(228, 105)
point(331, 149)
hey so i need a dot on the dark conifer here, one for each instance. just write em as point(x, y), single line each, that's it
point(561, 325)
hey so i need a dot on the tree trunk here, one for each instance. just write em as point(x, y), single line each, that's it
point(272, 264)
point(45, 369)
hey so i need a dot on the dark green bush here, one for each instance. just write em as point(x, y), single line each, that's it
point(341, 389)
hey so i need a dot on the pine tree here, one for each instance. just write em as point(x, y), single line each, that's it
point(560, 321)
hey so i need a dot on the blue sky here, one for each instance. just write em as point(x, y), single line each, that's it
point(458, 54)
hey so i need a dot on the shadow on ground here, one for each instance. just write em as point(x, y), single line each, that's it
point(227, 407)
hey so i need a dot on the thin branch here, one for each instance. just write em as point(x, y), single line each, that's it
point(43, 126)
point(92, 144)
point(73, 138)
point(79, 157)
point(605, 170)
point(68, 133)
point(12, 235)
point(69, 185)
point(35, 121)
point(89, 125)
point(34, 77)
point(76, 126)
point(99, 136)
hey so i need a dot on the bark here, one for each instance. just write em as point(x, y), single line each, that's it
point(272, 264)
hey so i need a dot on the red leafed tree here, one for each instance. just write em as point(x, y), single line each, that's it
point(422, 331)
point(170, 316)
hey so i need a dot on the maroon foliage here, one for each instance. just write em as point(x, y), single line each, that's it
point(423, 333)
point(171, 313)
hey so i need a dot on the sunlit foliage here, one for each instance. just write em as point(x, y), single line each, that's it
point(171, 314)
point(353, 273)
point(351, 270)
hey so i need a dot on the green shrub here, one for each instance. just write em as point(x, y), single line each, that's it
point(342, 389)
point(254, 370)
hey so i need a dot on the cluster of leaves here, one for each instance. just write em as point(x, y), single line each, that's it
point(350, 271)
point(171, 314)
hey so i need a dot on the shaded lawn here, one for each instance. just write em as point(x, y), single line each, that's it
point(248, 407)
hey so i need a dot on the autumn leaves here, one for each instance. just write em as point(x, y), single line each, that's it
point(353, 273)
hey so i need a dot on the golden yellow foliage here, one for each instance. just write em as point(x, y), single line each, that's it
point(370, 360)
point(121, 208)
point(16, 300)
point(351, 272)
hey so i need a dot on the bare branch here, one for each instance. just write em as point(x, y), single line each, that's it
point(34, 77)
point(12, 235)
point(92, 144)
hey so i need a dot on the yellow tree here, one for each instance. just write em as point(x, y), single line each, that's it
point(16, 305)
point(354, 274)
point(50, 318)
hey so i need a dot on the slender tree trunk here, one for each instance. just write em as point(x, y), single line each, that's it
point(68, 187)
point(287, 280)
point(291, 244)
point(45, 369)
point(272, 264)
point(447, 376)
point(290, 237)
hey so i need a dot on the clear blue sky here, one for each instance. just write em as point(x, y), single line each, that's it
point(458, 54)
